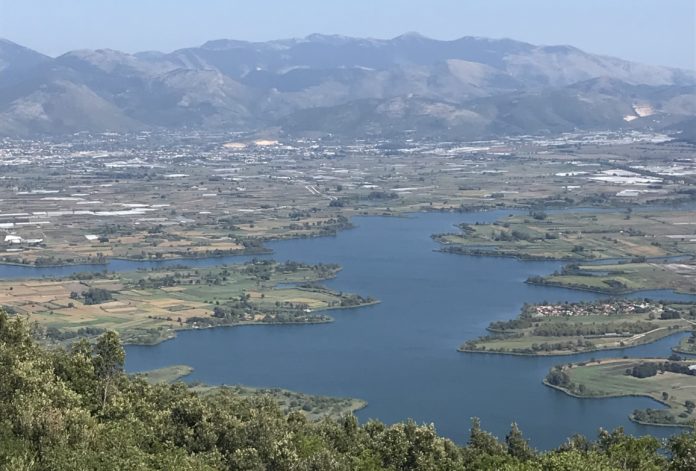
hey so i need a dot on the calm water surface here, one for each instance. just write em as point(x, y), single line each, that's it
point(401, 355)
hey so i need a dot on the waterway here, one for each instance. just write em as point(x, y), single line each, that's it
point(401, 355)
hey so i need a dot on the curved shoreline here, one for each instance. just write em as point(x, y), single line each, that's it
point(597, 350)
point(614, 396)
point(425, 209)
point(177, 373)
point(256, 323)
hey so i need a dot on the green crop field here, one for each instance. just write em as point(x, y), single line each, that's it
point(565, 329)
point(626, 277)
point(576, 236)
point(150, 306)
point(611, 378)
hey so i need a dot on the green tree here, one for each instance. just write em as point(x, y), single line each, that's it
point(483, 441)
point(631, 453)
point(683, 449)
point(517, 446)
point(109, 358)
point(74, 409)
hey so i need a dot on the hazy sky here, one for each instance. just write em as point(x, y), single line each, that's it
point(651, 31)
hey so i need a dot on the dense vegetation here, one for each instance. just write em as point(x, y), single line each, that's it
point(648, 369)
point(92, 296)
point(76, 410)
point(580, 329)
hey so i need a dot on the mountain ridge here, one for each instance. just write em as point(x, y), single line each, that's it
point(464, 86)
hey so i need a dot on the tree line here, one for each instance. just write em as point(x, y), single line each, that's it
point(76, 409)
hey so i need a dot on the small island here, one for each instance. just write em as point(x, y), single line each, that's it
point(671, 382)
point(687, 345)
point(569, 328)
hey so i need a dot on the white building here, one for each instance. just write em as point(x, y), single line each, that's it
point(13, 239)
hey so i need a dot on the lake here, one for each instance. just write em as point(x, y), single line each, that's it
point(401, 355)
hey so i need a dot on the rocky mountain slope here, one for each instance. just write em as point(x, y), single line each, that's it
point(469, 87)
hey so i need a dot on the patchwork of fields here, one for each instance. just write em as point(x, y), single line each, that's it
point(149, 306)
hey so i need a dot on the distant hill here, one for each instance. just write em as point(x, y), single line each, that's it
point(340, 85)
point(15, 58)
point(686, 130)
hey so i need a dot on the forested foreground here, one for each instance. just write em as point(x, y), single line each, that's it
point(77, 410)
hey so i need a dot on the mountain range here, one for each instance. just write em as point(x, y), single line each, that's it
point(325, 84)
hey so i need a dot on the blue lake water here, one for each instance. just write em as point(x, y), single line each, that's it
point(401, 355)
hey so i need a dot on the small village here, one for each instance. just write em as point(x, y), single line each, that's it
point(619, 307)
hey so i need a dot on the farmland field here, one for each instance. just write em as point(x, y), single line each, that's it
point(572, 235)
point(566, 329)
point(150, 306)
point(612, 378)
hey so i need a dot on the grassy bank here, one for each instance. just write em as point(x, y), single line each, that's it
point(623, 278)
point(621, 377)
point(565, 329)
point(687, 345)
point(314, 407)
point(575, 236)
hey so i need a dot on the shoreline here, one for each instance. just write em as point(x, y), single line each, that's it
point(597, 350)
point(614, 396)
point(395, 213)
point(317, 321)
point(605, 292)
point(177, 373)
point(108, 260)
point(533, 258)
